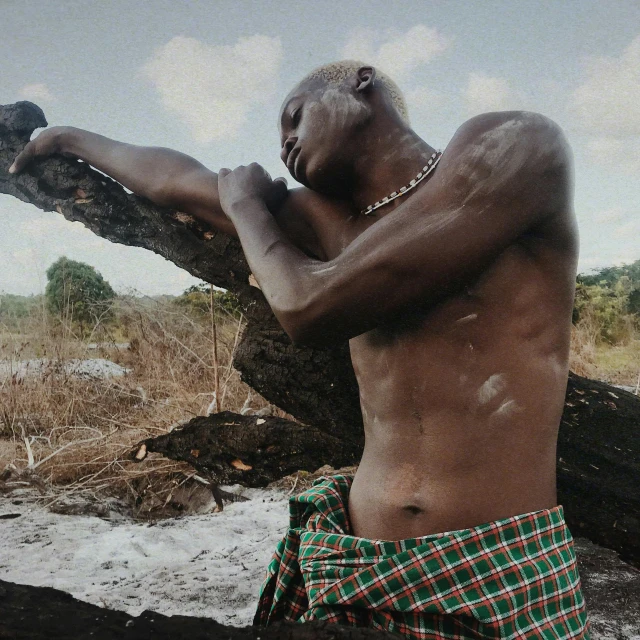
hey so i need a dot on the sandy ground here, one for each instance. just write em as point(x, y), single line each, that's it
point(212, 565)
point(205, 565)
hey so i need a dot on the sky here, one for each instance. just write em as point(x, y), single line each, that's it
point(207, 78)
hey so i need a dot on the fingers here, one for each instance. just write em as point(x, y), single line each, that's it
point(23, 159)
point(223, 172)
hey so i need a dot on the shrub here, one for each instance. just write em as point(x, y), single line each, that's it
point(77, 292)
point(197, 300)
point(608, 301)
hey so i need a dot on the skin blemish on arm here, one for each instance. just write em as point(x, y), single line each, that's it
point(325, 269)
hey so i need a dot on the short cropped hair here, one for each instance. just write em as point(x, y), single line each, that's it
point(338, 72)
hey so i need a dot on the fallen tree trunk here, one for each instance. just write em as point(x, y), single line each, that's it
point(317, 386)
point(598, 471)
point(599, 465)
point(41, 613)
point(230, 448)
point(611, 590)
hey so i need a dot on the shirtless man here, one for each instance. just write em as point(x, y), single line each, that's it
point(456, 299)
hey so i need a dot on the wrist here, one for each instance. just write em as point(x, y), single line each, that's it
point(241, 205)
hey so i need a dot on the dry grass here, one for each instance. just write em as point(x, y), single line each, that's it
point(77, 433)
point(72, 437)
point(593, 358)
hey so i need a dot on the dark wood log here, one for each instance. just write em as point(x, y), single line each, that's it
point(598, 470)
point(599, 465)
point(230, 448)
point(611, 589)
point(41, 613)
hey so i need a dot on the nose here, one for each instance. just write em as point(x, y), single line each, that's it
point(289, 143)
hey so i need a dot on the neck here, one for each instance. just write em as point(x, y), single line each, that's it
point(388, 162)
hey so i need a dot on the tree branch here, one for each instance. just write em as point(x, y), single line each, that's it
point(317, 386)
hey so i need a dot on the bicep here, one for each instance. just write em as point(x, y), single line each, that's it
point(482, 198)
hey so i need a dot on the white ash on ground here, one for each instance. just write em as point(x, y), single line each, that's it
point(92, 368)
point(202, 565)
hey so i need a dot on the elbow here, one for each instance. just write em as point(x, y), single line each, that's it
point(306, 326)
point(302, 330)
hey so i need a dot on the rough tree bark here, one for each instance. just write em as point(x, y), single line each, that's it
point(599, 455)
point(253, 451)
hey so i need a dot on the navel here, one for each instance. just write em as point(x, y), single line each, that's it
point(413, 509)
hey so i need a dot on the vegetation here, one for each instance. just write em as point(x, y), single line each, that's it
point(88, 425)
point(16, 309)
point(197, 300)
point(609, 302)
point(77, 293)
point(178, 350)
point(606, 333)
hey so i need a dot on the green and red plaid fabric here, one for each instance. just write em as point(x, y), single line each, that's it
point(513, 578)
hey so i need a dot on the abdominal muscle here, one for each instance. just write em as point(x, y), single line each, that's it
point(461, 427)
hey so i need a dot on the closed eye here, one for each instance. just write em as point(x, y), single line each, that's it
point(295, 117)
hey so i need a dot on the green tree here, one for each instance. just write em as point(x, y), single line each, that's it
point(197, 300)
point(76, 290)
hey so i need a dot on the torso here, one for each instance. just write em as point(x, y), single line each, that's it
point(461, 402)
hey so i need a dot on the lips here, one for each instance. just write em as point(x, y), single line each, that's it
point(291, 161)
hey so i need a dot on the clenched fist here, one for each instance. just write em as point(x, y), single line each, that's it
point(250, 183)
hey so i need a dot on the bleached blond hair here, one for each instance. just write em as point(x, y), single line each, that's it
point(338, 72)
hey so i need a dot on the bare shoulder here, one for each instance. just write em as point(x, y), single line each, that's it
point(306, 202)
point(315, 209)
point(512, 156)
point(512, 128)
point(508, 145)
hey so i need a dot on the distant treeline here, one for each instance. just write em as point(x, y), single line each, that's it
point(608, 300)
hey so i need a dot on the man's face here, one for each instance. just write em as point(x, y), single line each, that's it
point(319, 127)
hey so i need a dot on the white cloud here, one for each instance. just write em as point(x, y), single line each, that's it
point(630, 229)
point(613, 215)
point(398, 54)
point(609, 101)
point(607, 106)
point(486, 93)
point(422, 97)
point(616, 153)
point(36, 92)
point(212, 88)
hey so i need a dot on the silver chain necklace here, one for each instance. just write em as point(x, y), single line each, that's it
point(424, 172)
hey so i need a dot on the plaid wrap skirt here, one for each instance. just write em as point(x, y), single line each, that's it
point(512, 578)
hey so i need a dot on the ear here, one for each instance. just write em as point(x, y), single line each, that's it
point(365, 77)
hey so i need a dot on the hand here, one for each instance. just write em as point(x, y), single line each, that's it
point(249, 183)
point(48, 143)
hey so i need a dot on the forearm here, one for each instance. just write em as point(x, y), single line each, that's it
point(166, 177)
point(282, 270)
point(147, 171)
point(143, 170)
